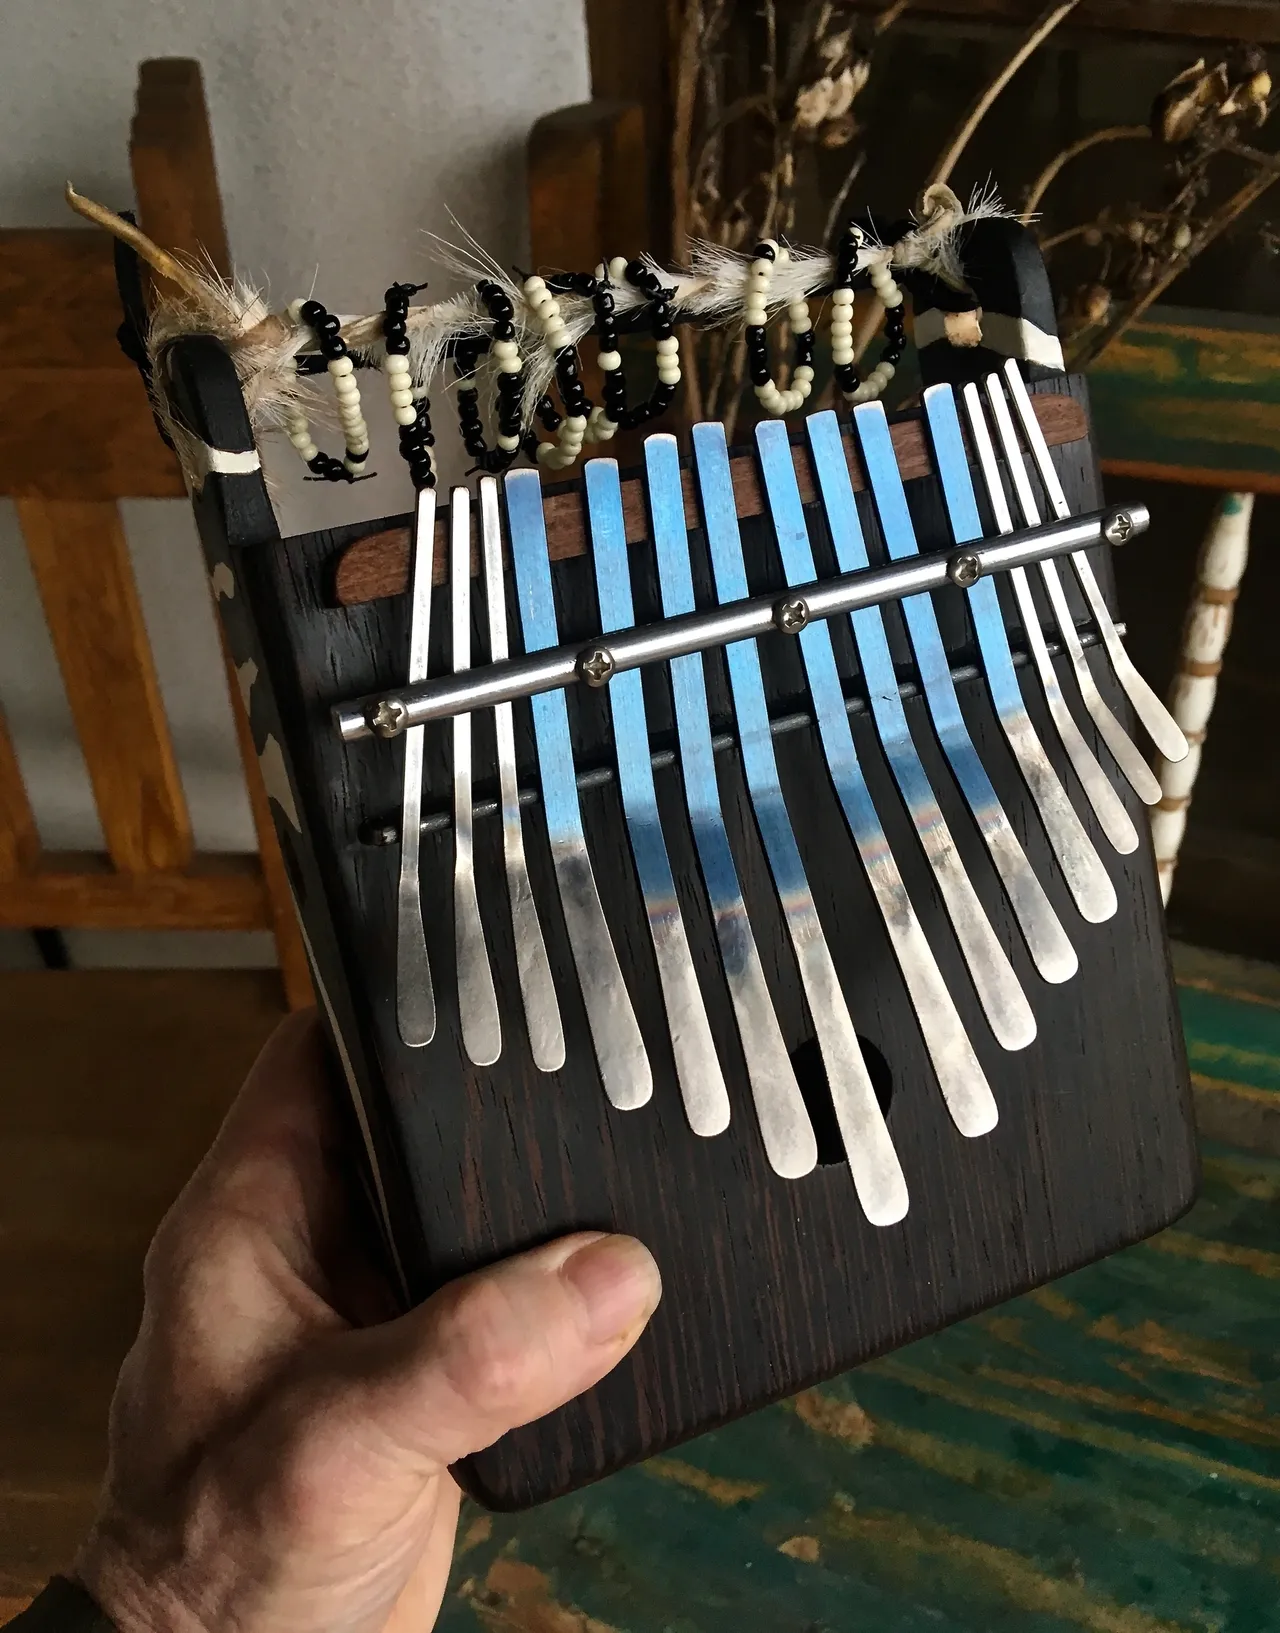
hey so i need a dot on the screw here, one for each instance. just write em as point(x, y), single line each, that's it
point(596, 666)
point(791, 616)
point(389, 718)
point(1119, 530)
point(964, 569)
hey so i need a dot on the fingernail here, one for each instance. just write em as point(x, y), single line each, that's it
point(619, 1285)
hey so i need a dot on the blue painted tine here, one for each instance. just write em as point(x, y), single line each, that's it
point(785, 1128)
point(615, 1034)
point(702, 1086)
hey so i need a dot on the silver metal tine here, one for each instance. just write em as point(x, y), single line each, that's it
point(1082, 867)
point(477, 1001)
point(615, 1033)
point(537, 989)
point(960, 1076)
point(1110, 812)
point(1123, 750)
point(1162, 728)
point(1047, 941)
point(702, 1086)
point(873, 1162)
point(785, 1128)
point(415, 998)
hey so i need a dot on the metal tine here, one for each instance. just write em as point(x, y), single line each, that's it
point(1162, 728)
point(785, 1127)
point(702, 1086)
point(1051, 951)
point(477, 1001)
point(537, 989)
point(615, 1033)
point(415, 998)
point(1107, 807)
point(963, 1084)
point(1123, 750)
point(1082, 867)
point(874, 1163)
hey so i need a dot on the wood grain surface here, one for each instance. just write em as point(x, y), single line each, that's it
point(377, 564)
point(80, 559)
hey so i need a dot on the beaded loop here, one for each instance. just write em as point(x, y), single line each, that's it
point(341, 370)
point(885, 285)
point(410, 406)
point(572, 428)
point(505, 353)
point(772, 398)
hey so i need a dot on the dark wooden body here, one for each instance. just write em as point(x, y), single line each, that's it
point(769, 1284)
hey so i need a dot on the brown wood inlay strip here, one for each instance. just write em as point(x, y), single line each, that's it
point(378, 564)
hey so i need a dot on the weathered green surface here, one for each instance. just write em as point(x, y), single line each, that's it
point(1199, 391)
point(1102, 1454)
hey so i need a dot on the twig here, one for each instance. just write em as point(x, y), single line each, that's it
point(159, 260)
point(1040, 186)
point(1266, 176)
point(1041, 30)
point(686, 76)
point(838, 202)
point(889, 16)
point(1047, 244)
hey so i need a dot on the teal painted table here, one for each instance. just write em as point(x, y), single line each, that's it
point(1102, 1454)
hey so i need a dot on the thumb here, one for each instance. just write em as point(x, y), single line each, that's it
point(499, 1348)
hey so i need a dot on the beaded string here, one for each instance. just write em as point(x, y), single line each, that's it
point(341, 370)
point(607, 417)
point(772, 398)
point(410, 405)
point(886, 287)
point(667, 346)
point(506, 354)
point(571, 430)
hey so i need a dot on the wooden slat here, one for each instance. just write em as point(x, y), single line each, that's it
point(174, 173)
point(80, 891)
point(19, 842)
point(378, 564)
point(179, 205)
point(587, 184)
point(82, 568)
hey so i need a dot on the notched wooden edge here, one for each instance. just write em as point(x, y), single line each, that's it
point(378, 564)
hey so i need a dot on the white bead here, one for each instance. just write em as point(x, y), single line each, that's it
point(669, 374)
point(601, 272)
point(756, 314)
point(340, 365)
point(295, 311)
point(618, 268)
point(508, 444)
point(547, 452)
point(803, 372)
point(395, 363)
point(345, 388)
point(401, 399)
point(840, 355)
point(576, 422)
point(504, 348)
point(801, 322)
point(533, 286)
point(406, 416)
point(307, 449)
point(510, 365)
point(668, 346)
point(771, 243)
point(610, 362)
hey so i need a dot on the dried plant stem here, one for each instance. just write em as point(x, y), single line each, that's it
point(838, 202)
point(1266, 176)
point(1040, 186)
point(689, 18)
point(1064, 237)
point(889, 16)
point(978, 110)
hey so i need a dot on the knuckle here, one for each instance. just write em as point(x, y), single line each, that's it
point(493, 1360)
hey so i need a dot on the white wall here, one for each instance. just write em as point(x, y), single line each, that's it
point(343, 132)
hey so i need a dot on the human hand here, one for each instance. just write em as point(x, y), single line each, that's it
point(279, 1439)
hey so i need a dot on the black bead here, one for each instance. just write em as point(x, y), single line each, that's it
point(312, 312)
point(764, 252)
point(759, 374)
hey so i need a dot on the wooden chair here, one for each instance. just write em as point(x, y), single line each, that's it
point(77, 437)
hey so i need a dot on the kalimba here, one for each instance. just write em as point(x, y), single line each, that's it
point(745, 852)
